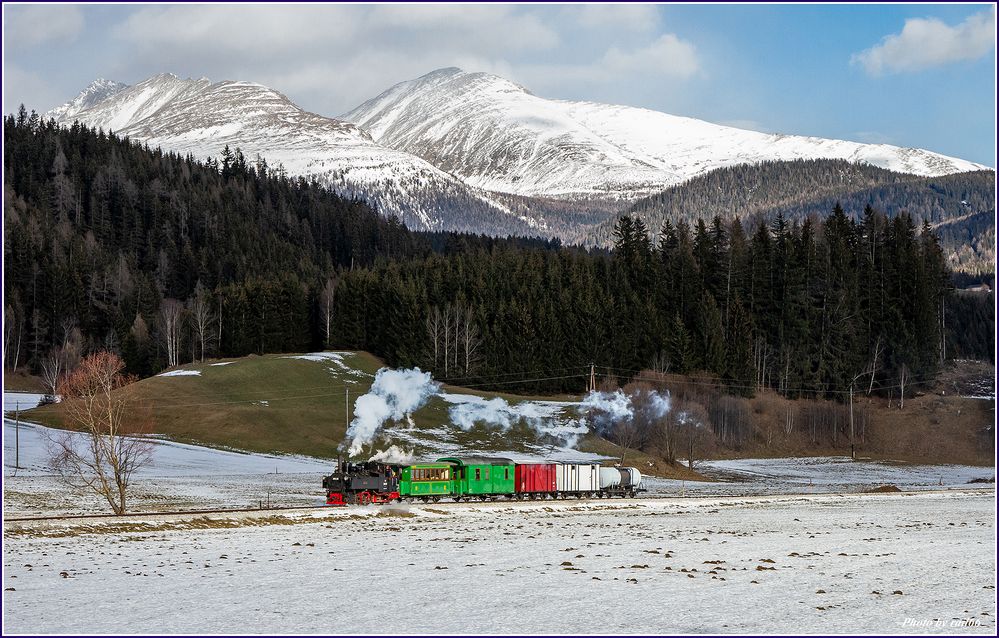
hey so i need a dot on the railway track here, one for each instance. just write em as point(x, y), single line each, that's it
point(132, 515)
point(451, 504)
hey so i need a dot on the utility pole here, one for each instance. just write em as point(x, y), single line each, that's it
point(853, 451)
point(592, 385)
point(17, 435)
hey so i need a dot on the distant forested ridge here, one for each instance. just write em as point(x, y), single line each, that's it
point(165, 259)
point(960, 207)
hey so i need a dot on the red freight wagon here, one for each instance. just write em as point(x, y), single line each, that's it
point(534, 480)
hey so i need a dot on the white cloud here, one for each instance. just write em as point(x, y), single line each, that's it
point(633, 17)
point(330, 58)
point(28, 26)
point(928, 42)
point(30, 89)
point(668, 56)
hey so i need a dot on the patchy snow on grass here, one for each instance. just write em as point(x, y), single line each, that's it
point(181, 373)
point(884, 563)
point(336, 358)
point(221, 363)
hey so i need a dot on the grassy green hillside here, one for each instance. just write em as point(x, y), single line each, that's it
point(297, 404)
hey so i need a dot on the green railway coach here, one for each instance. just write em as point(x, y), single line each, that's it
point(428, 481)
point(482, 477)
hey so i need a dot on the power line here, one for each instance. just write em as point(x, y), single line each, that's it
point(637, 375)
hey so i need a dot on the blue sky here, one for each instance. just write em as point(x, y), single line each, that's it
point(911, 75)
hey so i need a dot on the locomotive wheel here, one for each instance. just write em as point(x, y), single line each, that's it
point(364, 498)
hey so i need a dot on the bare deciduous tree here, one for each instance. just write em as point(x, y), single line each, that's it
point(326, 307)
point(171, 323)
point(879, 349)
point(470, 339)
point(449, 325)
point(13, 330)
point(661, 363)
point(52, 369)
point(202, 319)
point(104, 454)
point(903, 379)
point(435, 334)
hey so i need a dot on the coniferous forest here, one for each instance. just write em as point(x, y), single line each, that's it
point(165, 259)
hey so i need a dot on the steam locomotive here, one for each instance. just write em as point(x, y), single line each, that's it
point(477, 478)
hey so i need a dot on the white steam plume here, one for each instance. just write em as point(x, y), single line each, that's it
point(605, 410)
point(394, 455)
point(395, 394)
point(467, 411)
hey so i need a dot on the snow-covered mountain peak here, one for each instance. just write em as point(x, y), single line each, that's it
point(497, 135)
point(98, 91)
point(200, 117)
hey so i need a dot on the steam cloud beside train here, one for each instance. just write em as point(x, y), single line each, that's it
point(607, 410)
point(396, 394)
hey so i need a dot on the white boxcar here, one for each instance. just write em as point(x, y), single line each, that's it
point(577, 477)
point(609, 477)
point(630, 477)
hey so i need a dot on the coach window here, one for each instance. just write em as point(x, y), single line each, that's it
point(506, 474)
point(478, 474)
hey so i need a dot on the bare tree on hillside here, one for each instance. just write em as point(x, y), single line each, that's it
point(326, 307)
point(661, 363)
point(903, 380)
point(104, 454)
point(470, 339)
point(171, 322)
point(202, 319)
point(448, 324)
point(435, 333)
point(52, 369)
point(13, 330)
point(879, 349)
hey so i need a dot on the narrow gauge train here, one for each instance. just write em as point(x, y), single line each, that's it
point(476, 478)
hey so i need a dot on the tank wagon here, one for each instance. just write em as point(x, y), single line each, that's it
point(477, 478)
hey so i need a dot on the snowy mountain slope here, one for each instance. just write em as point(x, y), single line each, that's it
point(200, 117)
point(98, 91)
point(496, 135)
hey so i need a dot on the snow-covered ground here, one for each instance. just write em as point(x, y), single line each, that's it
point(812, 475)
point(881, 563)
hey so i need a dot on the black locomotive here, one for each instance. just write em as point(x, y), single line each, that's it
point(362, 483)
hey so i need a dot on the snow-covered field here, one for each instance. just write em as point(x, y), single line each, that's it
point(907, 563)
point(822, 474)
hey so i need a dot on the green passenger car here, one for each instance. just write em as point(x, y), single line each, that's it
point(427, 481)
point(479, 477)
